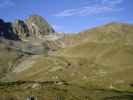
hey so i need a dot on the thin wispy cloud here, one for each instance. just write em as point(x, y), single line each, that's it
point(88, 10)
point(6, 3)
point(104, 6)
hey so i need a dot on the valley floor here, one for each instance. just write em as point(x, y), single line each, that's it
point(31, 90)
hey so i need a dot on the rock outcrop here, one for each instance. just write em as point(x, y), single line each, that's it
point(35, 27)
point(6, 30)
point(38, 26)
point(20, 29)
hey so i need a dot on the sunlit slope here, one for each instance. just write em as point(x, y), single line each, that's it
point(108, 33)
point(114, 54)
point(92, 64)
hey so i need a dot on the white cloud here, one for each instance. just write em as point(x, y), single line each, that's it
point(88, 10)
point(102, 6)
point(6, 3)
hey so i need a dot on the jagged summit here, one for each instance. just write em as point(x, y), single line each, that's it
point(38, 26)
point(34, 26)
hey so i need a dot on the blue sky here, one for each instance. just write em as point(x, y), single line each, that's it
point(69, 15)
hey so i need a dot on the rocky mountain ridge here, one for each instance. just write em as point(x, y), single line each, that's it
point(21, 39)
point(34, 26)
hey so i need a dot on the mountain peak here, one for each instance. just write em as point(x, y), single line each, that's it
point(38, 25)
point(34, 26)
point(36, 16)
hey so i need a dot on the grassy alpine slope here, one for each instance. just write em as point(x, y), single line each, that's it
point(108, 33)
point(98, 66)
point(91, 64)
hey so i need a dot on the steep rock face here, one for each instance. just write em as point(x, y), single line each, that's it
point(20, 29)
point(38, 26)
point(35, 27)
point(6, 31)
